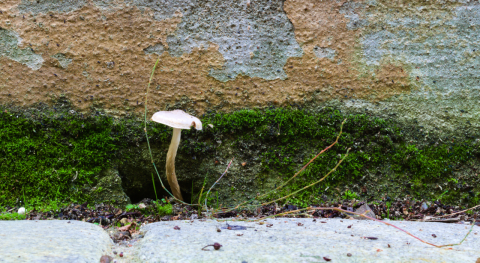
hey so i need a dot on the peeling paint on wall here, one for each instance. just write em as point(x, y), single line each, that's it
point(45, 6)
point(414, 60)
point(9, 42)
point(444, 52)
point(324, 52)
point(62, 60)
point(255, 40)
point(155, 49)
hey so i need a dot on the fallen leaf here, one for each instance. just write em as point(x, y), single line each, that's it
point(127, 227)
point(176, 228)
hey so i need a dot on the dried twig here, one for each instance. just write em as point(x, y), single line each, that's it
point(363, 215)
point(312, 184)
point(457, 212)
point(296, 174)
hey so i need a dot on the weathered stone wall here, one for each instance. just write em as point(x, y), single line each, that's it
point(414, 63)
point(411, 60)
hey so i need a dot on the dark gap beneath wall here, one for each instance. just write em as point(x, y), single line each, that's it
point(137, 184)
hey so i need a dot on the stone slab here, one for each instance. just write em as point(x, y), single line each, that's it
point(52, 241)
point(287, 241)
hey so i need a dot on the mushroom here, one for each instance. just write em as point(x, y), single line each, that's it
point(178, 120)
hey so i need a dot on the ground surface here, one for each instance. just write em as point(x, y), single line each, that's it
point(272, 240)
point(52, 241)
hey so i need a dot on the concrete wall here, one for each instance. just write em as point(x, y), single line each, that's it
point(409, 60)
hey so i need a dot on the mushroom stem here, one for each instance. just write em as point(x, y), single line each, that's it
point(172, 152)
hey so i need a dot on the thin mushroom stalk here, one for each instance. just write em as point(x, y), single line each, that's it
point(170, 165)
point(178, 120)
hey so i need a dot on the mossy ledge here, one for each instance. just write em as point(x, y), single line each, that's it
point(54, 153)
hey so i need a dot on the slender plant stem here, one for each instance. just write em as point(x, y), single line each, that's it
point(206, 195)
point(295, 175)
point(146, 133)
point(153, 181)
point(312, 184)
point(24, 200)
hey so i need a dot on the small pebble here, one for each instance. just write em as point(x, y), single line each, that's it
point(349, 254)
point(106, 259)
point(216, 246)
point(114, 252)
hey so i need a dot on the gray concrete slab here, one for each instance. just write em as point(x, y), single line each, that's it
point(287, 241)
point(275, 240)
point(52, 241)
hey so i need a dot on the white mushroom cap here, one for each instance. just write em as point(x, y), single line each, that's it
point(21, 211)
point(177, 119)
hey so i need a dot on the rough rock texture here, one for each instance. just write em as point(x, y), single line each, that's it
point(109, 188)
point(417, 60)
point(412, 61)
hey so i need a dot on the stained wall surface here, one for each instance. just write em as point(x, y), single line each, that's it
point(409, 60)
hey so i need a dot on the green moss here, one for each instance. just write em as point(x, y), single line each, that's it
point(12, 216)
point(55, 154)
point(379, 148)
point(164, 210)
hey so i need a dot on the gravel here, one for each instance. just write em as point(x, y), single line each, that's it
point(272, 240)
point(52, 241)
